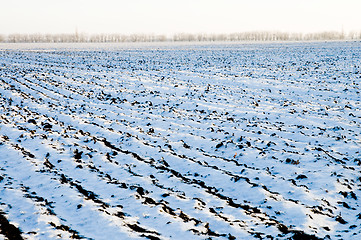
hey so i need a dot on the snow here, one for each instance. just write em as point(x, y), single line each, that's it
point(181, 141)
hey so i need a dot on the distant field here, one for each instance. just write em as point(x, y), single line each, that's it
point(180, 141)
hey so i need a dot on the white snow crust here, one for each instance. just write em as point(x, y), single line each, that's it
point(181, 141)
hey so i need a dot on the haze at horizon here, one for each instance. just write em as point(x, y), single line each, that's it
point(170, 17)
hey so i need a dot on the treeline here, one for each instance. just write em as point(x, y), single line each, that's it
point(244, 36)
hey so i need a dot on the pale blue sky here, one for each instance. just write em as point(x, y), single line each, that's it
point(173, 16)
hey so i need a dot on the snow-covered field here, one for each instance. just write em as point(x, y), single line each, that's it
point(187, 141)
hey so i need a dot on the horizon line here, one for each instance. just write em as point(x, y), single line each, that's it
point(76, 31)
point(181, 36)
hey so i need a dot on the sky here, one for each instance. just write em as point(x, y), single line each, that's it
point(177, 16)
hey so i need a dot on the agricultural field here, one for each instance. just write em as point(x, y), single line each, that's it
point(180, 141)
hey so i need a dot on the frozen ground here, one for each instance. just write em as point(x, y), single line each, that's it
point(222, 141)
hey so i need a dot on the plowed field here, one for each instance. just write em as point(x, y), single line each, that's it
point(217, 141)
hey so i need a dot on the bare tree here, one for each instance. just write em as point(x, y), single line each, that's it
point(241, 36)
